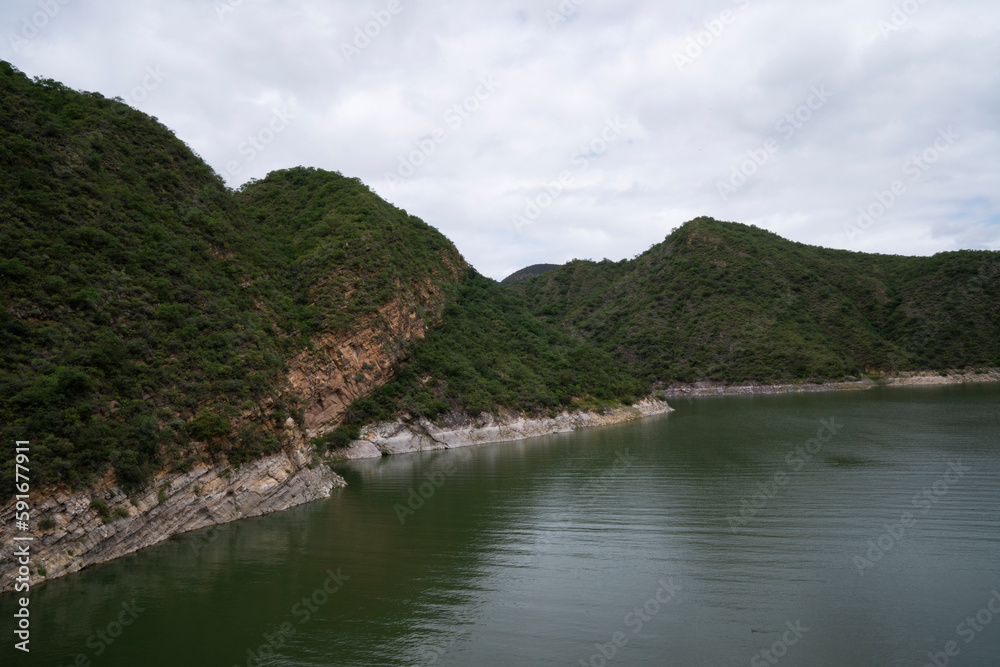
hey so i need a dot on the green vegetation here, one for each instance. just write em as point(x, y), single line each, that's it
point(102, 509)
point(491, 353)
point(148, 313)
point(528, 272)
point(730, 302)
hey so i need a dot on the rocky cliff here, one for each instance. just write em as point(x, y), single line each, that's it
point(82, 528)
point(343, 366)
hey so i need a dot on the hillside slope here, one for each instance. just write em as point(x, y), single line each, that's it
point(153, 320)
point(729, 302)
point(149, 316)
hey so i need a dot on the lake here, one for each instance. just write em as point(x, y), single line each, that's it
point(846, 528)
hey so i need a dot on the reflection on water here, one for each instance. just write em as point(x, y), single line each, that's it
point(727, 532)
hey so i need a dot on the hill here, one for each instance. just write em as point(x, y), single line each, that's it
point(152, 319)
point(729, 302)
point(528, 272)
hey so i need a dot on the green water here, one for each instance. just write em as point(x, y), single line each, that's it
point(627, 540)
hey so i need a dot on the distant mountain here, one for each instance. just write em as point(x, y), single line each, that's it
point(730, 302)
point(528, 272)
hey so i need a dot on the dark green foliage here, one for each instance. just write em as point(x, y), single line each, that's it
point(528, 272)
point(730, 302)
point(491, 352)
point(208, 424)
point(147, 312)
point(120, 295)
point(342, 251)
point(101, 508)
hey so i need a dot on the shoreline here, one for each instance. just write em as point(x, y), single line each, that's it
point(79, 535)
point(901, 379)
point(407, 436)
point(212, 495)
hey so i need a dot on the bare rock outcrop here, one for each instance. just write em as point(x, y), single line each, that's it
point(404, 436)
point(344, 366)
point(339, 368)
point(81, 532)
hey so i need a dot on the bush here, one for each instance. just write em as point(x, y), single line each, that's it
point(208, 424)
point(102, 509)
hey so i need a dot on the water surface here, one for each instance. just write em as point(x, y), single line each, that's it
point(550, 550)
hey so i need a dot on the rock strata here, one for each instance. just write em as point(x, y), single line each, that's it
point(408, 435)
point(176, 503)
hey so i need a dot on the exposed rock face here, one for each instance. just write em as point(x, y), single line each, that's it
point(340, 368)
point(460, 430)
point(344, 366)
point(175, 503)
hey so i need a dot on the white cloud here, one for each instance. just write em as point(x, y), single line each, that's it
point(686, 126)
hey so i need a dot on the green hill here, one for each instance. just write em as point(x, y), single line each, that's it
point(528, 272)
point(729, 302)
point(148, 313)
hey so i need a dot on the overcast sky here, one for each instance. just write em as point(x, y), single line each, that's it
point(543, 131)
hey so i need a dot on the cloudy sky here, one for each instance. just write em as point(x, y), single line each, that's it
point(543, 131)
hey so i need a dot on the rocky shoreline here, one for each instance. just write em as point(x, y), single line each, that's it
point(405, 436)
point(81, 533)
point(76, 529)
point(901, 379)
